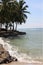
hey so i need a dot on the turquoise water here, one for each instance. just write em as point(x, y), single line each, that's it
point(31, 43)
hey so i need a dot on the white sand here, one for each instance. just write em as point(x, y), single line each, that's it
point(20, 63)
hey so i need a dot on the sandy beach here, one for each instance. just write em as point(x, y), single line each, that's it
point(20, 63)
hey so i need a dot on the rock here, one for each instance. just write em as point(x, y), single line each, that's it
point(21, 33)
point(5, 56)
point(15, 59)
point(1, 48)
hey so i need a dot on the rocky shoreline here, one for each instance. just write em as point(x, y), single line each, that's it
point(5, 56)
point(10, 33)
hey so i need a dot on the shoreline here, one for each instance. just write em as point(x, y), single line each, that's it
point(10, 33)
point(22, 63)
point(29, 62)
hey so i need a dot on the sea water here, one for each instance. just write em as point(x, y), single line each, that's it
point(26, 48)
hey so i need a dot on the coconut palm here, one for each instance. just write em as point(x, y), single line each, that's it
point(0, 14)
point(0, 20)
point(5, 13)
point(12, 11)
point(21, 10)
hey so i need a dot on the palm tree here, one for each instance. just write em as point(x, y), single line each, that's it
point(21, 10)
point(5, 13)
point(12, 11)
point(0, 14)
point(0, 20)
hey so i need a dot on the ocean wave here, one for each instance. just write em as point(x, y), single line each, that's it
point(13, 50)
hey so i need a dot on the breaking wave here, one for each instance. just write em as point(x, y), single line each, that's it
point(13, 50)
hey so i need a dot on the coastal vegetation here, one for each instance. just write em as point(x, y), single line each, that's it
point(12, 12)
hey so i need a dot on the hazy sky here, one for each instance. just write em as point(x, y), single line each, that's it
point(35, 19)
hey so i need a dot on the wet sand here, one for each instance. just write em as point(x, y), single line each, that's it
point(20, 63)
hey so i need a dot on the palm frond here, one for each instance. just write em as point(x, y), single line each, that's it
point(26, 12)
point(25, 7)
point(25, 16)
point(22, 2)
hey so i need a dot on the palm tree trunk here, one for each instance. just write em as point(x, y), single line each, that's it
point(0, 25)
point(6, 26)
point(13, 26)
point(10, 27)
point(16, 26)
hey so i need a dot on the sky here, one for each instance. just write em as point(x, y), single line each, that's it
point(35, 19)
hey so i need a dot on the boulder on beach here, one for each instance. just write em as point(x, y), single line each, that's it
point(5, 56)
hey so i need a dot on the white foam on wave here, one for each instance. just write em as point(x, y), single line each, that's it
point(13, 50)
